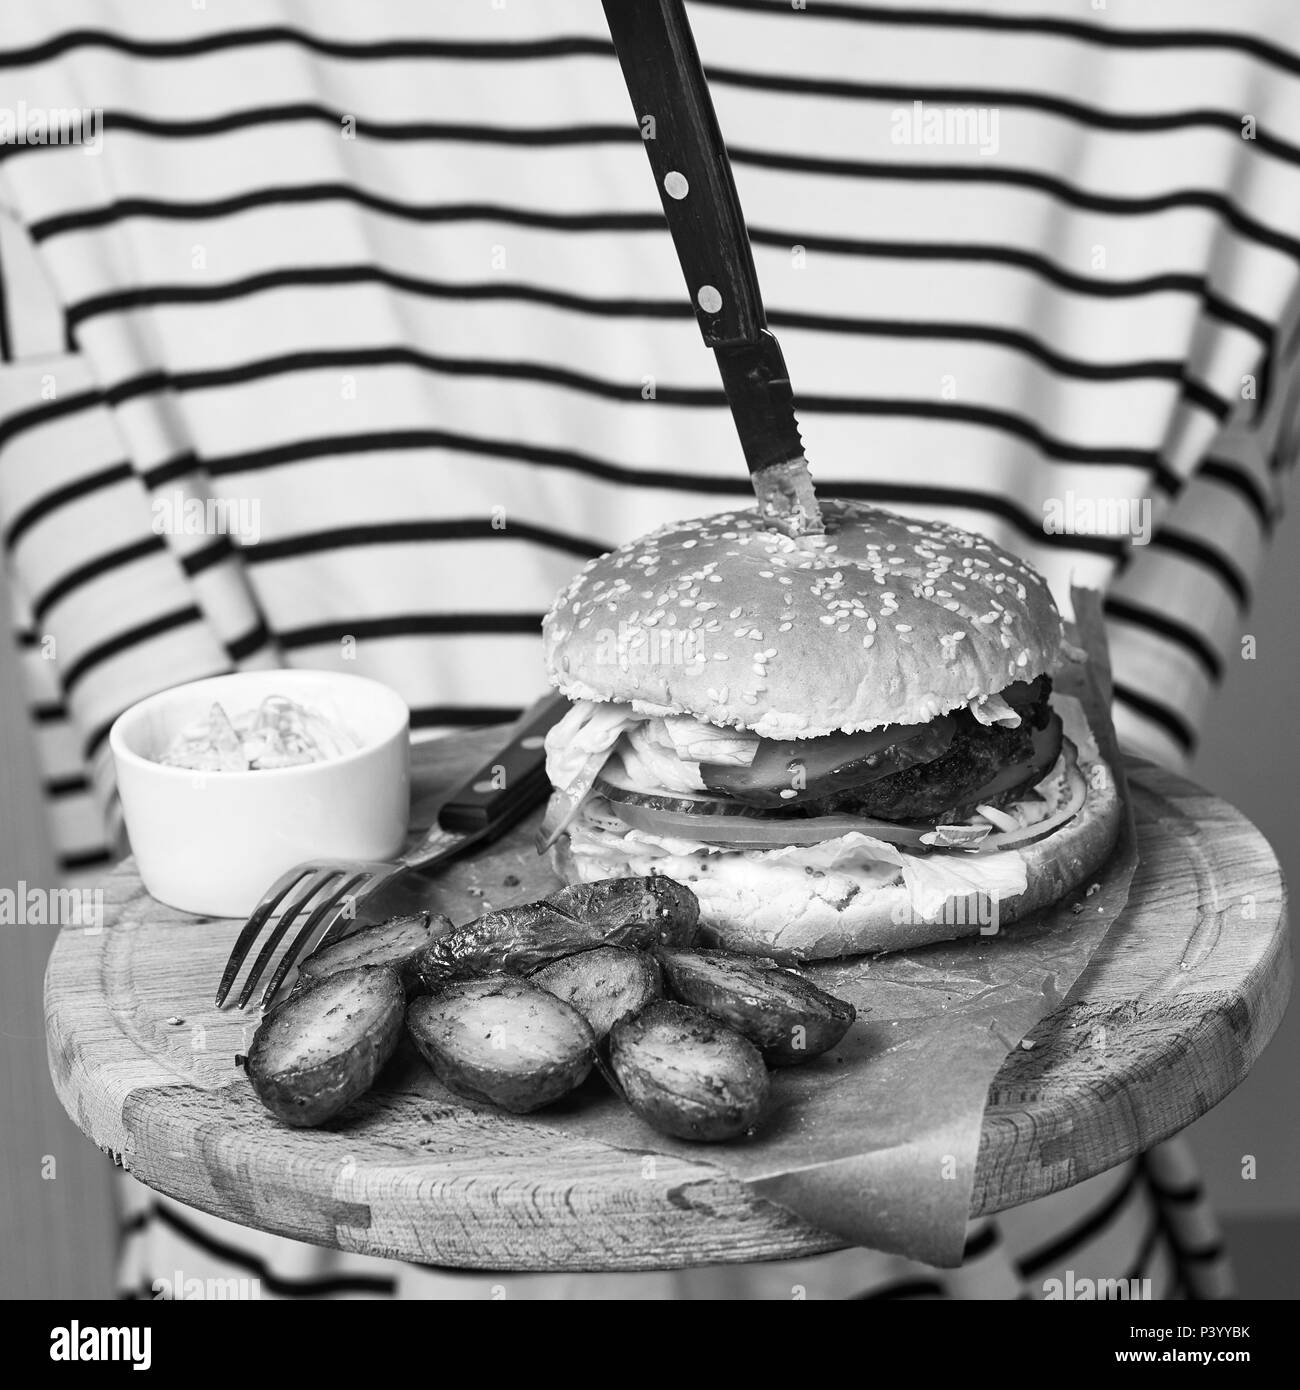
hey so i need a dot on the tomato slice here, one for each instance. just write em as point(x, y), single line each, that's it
point(615, 785)
point(768, 832)
point(787, 772)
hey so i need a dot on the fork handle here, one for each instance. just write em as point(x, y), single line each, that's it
point(511, 782)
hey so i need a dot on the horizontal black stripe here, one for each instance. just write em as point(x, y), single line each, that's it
point(124, 641)
point(274, 1283)
point(1092, 34)
point(367, 128)
point(355, 358)
point(257, 637)
point(513, 370)
point(1040, 266)
point(1188, 638)
point(207, 557)
point(982, 21)
point(730, 485)
point(800, 164)
point(1201, 1254)
point(1013, 98)
point(81, 487)
point(297, 277)
point(44, 413)
point(1196, 550)
point(1029, 179)
point(495, 51)
point(78, 860)
point(1083, 1231)
point(1244, 485)
point(1187, 1195)
point(95, 739)
point(296, 194)
point(407, 532)
point(904, 1288)
point(1169, 720)
point(133, 1225)
point(1003, 421)
point(54, 713)
point(65, 786)
point(981, 1242)
point(653, 222)
point(463, 716)
point(413, 625)
point(95, 569)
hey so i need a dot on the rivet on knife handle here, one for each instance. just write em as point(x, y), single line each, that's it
point(512, 781)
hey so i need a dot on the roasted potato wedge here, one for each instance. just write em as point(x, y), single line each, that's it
point(389, 943)
point(787, 1017)
point(604, 985)
point(637, 912)
point(687, 1074)
point(324, 1046)
point(503, 1040)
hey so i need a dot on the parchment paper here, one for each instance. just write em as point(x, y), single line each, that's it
point(877, 1141)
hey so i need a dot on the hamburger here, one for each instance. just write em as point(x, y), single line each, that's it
point(843, 743)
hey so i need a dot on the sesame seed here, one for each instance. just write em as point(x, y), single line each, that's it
point(902, 627)
point(723, 692)
point(785, 627)
point(721, 656)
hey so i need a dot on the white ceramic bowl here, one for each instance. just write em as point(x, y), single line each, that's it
point(214, 842)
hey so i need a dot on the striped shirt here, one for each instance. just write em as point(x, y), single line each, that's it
point(381, 299)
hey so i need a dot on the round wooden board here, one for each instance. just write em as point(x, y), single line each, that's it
point(1142, 1046)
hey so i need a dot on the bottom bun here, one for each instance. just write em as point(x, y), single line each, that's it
point(787, 912)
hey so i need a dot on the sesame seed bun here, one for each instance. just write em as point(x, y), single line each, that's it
point(882, 620)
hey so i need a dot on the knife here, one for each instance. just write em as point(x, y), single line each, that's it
point(679, 129)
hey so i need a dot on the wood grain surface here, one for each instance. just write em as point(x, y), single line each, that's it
point(1170, 1015)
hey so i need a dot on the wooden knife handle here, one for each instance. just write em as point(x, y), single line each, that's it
point(680, 132)
point(512, 781)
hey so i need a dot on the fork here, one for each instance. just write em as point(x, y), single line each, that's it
point(351, 894)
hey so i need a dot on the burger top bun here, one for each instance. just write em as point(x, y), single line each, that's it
point(882, 620)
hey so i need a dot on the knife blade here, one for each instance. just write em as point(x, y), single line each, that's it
point(679, 128)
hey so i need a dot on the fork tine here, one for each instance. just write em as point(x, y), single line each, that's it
point(314, 919)
point(318, 880)
point(257, 919)
point(367, 881)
